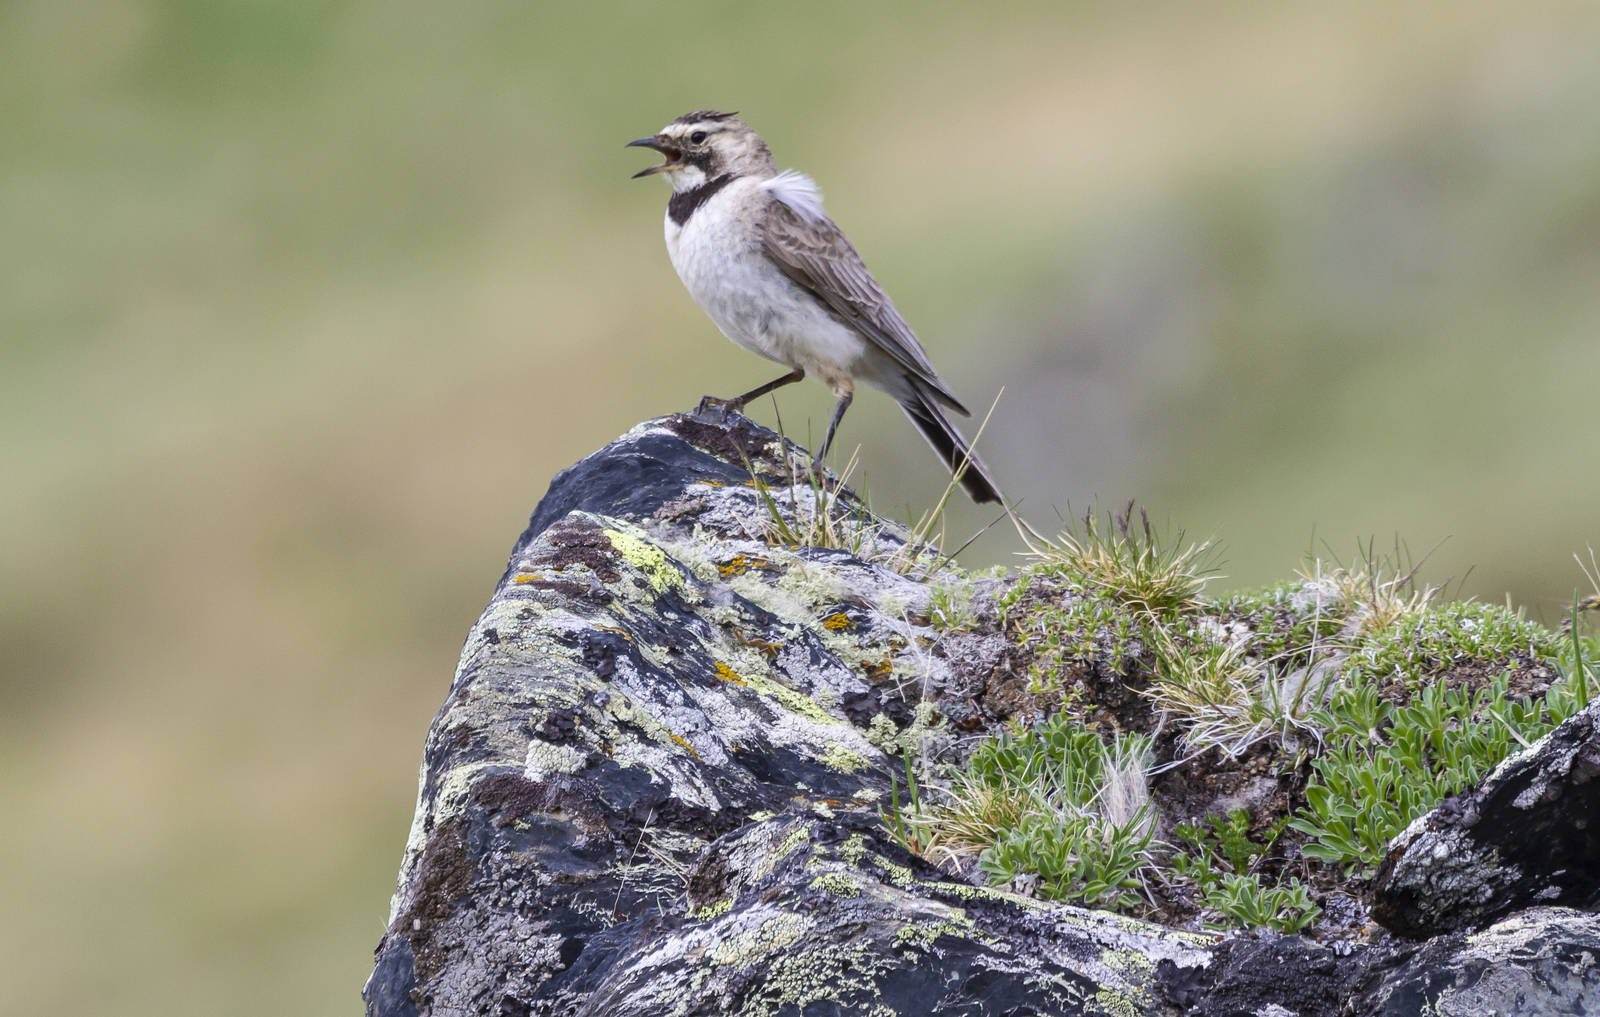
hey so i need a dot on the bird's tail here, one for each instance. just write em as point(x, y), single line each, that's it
point(930, 419)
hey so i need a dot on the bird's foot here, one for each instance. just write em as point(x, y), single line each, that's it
point(722, 406)
point(819, 478)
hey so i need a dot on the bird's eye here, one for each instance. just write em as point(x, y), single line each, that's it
point(697, 137)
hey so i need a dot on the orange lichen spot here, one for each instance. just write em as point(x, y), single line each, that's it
point(837, 622)
point(877, 671)
point(741, 563)
point(683, 743)
point(729, 675)
point(524, 578)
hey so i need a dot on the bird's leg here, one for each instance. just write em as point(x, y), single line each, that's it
point(738, 403)
point(833, 426)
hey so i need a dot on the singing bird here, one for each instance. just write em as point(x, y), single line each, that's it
point(760, 256)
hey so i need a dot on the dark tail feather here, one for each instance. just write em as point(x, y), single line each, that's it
point(951, 447)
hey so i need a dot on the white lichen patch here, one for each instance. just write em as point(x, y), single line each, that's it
point(546, 760)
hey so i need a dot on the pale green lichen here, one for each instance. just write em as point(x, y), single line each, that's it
point(816, 974)
point(854, 849)
point(713, 910)
point(790, 699)
point(798, 836)
point(748, 947)
point(1129, 964)
point(658, 570)
point(1114, 1003)
point(897, 874)
point(923, 934)
point(838, 884)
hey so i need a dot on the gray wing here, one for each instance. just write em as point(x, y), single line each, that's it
point(816, 255)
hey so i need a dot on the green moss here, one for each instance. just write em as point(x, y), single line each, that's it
point(1284, 620)
point(1426, 644)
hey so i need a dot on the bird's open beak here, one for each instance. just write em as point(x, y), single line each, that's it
point(660, 144)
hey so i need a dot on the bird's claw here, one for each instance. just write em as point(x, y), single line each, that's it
point(819, 475)
point(722, 406)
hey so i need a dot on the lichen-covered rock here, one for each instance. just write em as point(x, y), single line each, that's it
point(658, 781)
point(1529, 834)
point(654, 787)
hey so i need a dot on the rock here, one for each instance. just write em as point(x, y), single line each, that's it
point(1540, 963)
point(658, 781)
point(1529, 834)
point(654, 788)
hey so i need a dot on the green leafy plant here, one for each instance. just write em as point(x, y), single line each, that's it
point(1220, 861)
point(1245, 900)
point(1385, 765)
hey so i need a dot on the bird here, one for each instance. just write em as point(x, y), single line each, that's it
point(761, 257)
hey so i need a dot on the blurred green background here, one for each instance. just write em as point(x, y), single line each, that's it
point(303, 302)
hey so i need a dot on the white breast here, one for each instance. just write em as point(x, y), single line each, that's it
point(718, 255)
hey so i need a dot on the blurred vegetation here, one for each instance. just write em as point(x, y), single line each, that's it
point(302, 303)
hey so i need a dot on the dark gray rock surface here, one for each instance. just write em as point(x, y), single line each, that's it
point(1529, 834)
point(655, 788)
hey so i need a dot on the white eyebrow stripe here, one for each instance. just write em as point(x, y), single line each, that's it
point(799, 192)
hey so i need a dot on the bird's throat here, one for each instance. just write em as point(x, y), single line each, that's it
point(682, 204)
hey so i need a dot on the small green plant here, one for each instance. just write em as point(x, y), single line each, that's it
point(1288, 908)
point(1088, 828)
point(1227, 839)
point(1128, 564)
point(1057, 803)
point(901, 823)
point(950, 603)
point(1385, 765)
point(1220, 862)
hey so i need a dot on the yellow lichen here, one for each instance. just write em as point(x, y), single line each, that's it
point(683, 743)
point(658, 569)
point(838, 621)
point(729, 675)
point(524, 578)
point(713, 910)
point(795, 702)
point(741, 563)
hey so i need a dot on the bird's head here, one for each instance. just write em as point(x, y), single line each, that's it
point(704, 145)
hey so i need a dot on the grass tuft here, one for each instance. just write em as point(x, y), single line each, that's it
point(1128, 563)
point(1057, 807)
point(1222, 697)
